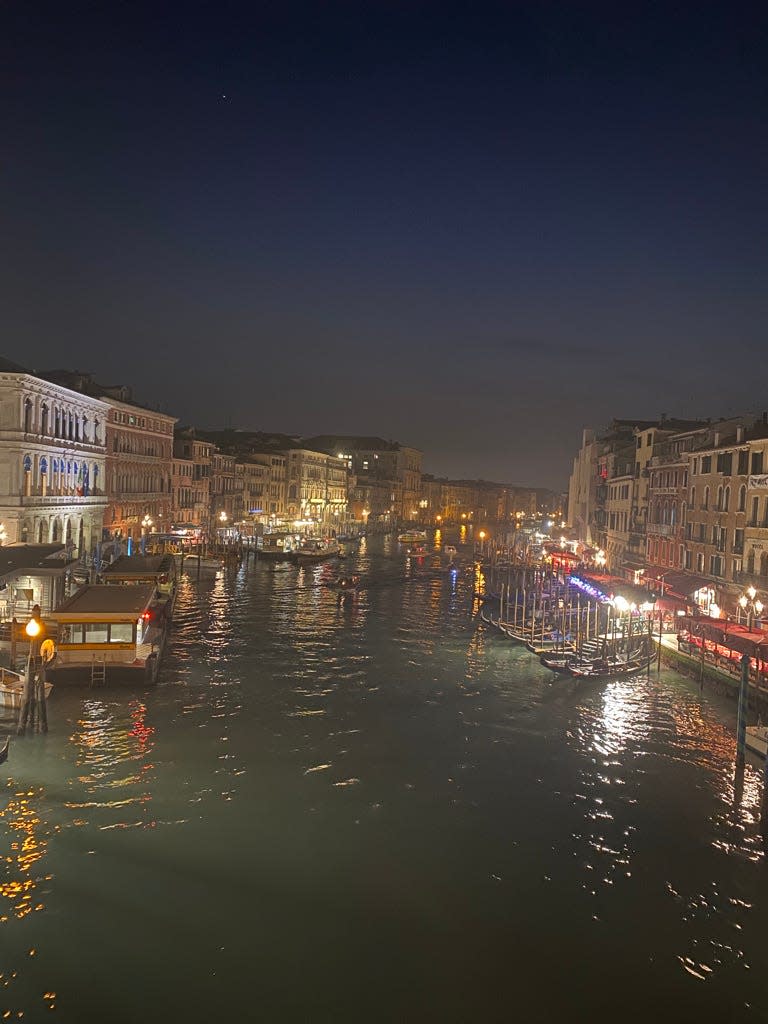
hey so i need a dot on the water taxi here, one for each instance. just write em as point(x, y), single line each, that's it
point(109, 633)
point(412, 536)
point(316, 551)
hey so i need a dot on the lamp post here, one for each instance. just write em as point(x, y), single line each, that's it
point(750, 604)
point(482, 542)
point(33, 709)
point(752, 608)
point(600, 559)
point(147, 523)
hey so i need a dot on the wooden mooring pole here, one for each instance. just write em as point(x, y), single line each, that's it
point(741, 721)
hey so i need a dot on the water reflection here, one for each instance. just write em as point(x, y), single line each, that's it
point(391, 777)
point(28, 845)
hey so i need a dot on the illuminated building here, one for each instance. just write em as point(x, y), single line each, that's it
point(52, 461)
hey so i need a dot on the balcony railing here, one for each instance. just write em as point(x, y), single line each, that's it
point(39, 500)
point(661, 529)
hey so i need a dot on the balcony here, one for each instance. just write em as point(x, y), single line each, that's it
point(58, 500)
point(753, 579)
point(661, 529)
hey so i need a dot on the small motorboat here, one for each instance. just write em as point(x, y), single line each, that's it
point(12, 689)
point(192, 563)
point(4, 749)
point(412, 536)
point(417, 551)
point(346, 589)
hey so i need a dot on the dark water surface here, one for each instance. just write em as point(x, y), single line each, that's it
point(378, 813)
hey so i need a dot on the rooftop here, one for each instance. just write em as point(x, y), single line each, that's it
point(103, 600)
point(139, 565)
point(16, 557)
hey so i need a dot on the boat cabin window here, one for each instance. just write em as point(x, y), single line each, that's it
point(97, 633)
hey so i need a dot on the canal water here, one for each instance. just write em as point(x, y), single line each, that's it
point(375, 813)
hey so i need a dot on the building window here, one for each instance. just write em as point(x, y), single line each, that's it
point(27, 415)
point(742, 497)
point(757, 462)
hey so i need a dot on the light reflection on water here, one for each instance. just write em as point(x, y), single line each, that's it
point(377, 811)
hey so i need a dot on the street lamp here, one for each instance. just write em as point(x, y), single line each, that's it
point(223, 518)
point(147, 523)
point(751, 605)
point(600, 559)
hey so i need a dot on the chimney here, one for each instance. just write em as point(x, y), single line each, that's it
point(739, 435)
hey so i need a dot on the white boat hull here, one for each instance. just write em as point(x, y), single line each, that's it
point(11, 694)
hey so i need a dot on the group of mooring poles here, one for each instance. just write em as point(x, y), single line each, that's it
point(33, 713)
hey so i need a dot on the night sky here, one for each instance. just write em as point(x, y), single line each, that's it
point(472, 228)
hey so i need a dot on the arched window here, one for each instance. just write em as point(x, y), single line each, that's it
point(764, 564)
point(56, 422)
point(726, 498)
point(706, 498)
point(85, 428)
point(43, 466)
point(44, 418)
point(719, 505)
point(27, 415)
point(755, 511)
point(77, 427)
point(96, 430)
point(742, 498)
point(693, 497)
point(683, 514)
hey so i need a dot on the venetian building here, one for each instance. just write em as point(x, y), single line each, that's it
point(139, 461)
point(191, 473)
point(52, 462)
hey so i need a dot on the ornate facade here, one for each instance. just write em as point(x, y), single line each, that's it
point(52, 462)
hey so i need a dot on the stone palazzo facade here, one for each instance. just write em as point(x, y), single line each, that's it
point(52, 462)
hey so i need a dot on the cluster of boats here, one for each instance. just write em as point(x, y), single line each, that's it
point(598, 658)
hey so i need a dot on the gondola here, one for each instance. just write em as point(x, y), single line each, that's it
point(601, 669)
point(4, 749)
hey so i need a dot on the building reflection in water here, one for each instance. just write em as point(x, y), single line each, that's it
point(114, 745)
point(28, 846)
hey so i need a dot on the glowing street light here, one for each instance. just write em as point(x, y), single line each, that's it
point(147, 523)
point(600, 559)
point(751, 605)
point(223, 517)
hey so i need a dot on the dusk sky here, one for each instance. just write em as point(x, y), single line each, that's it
point(473, 228)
